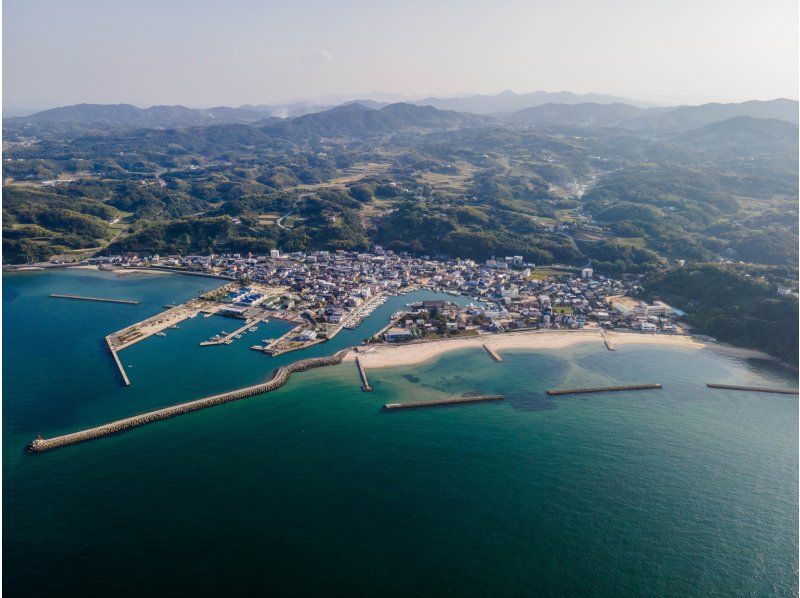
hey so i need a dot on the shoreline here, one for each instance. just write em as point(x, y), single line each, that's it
point(416, 353)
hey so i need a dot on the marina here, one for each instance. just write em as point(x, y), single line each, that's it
point(227, 338)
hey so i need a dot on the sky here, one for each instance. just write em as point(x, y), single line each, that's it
point(231, 52)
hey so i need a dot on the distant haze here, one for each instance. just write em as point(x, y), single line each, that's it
point(200, 53)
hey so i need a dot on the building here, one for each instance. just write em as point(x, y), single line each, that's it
point(587, 273)
point(627, 306)
point(395, 335)
point(233, 312)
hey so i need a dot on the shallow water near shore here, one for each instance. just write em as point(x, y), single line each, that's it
point(312, 489)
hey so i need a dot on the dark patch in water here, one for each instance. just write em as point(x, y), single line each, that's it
point(412, 378)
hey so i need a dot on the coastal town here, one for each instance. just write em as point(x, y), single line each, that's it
point(323, 292)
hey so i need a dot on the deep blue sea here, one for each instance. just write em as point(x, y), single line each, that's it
point(313, 490)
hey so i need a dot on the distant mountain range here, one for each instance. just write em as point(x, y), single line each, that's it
point(750, 134)
point(127, 115)
point(508, 101)
point(357, 120)
point(365, 118)
point(665, 120)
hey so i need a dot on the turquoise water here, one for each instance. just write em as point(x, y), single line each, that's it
point(313, 490)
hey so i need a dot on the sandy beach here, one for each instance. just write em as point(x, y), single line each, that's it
point(381, 356)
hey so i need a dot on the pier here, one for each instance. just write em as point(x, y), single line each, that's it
point(280, 378)
point(120, 367)
point(363, 373)
point(575, 391)
point(99, 299)
point(492, 352)
point(228, 338)
point(440, 402)
point(780, 391)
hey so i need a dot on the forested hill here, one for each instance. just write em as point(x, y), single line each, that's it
point(556, 183)
point(733, 304)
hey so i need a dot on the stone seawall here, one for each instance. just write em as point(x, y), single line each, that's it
point(280, 378)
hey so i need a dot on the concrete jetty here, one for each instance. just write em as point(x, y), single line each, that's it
point(120, 367)
point(780, 391)
point(609, 345)
point(280, 378)
point(492, 352)
point(99, 299)
point(575, 391)
point(438, 402)
point(365, 386)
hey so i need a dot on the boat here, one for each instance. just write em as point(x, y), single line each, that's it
point(174, 326)
point(257, 348)
point(238, 336)
point(207, 315)
point(253, 329)
point(161, 334)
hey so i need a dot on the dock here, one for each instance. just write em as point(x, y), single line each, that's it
point(575, 391)
point(99, 299)
point(780, 391)
point(280, 378)
point(120, 367)
point(365, 386)
point(492, 352)
point(439, 402)
point(228, 338)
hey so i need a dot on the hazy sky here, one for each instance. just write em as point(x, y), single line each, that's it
point(232, 52)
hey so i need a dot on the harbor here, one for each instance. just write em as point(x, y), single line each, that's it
point(248, 325)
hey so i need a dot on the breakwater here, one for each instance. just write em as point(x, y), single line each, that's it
point(780, 391)
point(280, 378)
point(365, 386)
point(100, 299)
point(574, 391)
point(452, 401)
point(121, 369)
point(492, 353)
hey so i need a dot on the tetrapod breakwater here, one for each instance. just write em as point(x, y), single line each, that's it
point(280, 378)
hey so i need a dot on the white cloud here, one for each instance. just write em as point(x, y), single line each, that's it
point(322, 55)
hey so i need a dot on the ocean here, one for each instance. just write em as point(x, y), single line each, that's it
point(314, 490)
